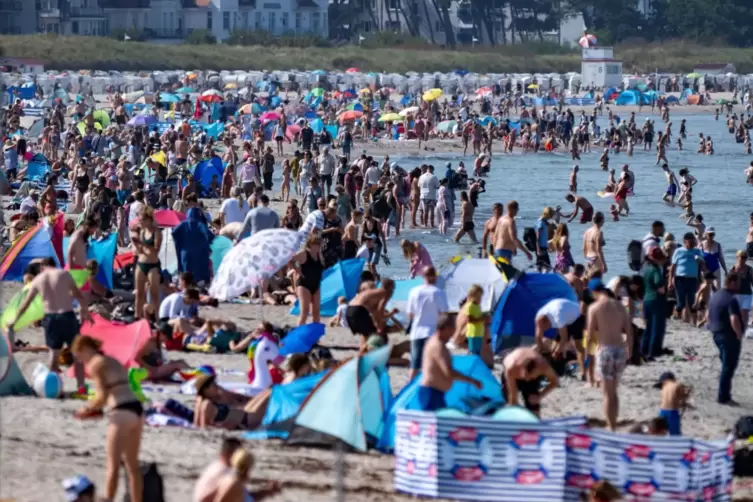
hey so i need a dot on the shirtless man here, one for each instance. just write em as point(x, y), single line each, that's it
point(671, 193)
point(438, 373)
point(579, 203)
point(506, 241)
point(181, 150)
point(76, 255)
point(366, 313)
point(490, 226)
point(61, 327)
point(350, 235)
point(524, 370)
point(593, 245)
point(607, 320)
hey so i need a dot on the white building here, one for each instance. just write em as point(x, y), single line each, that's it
point(599, 68)
point(18, 17)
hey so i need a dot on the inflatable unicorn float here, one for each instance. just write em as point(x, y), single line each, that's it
point(262, 351)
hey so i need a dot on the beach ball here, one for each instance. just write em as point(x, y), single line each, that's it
point(206, 369)
point(47, 384)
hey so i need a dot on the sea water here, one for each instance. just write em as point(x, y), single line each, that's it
point(538, 180)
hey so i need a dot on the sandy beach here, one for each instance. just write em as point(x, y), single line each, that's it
point(41, 443)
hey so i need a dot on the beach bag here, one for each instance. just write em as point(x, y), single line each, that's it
point(529, 238)
point(635, 258)
point(154, 490)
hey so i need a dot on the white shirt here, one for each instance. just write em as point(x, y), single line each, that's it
point(327, 164)
point(649, 242)
point(561, 312)
point(234, 213)
point(173, 307)
point(28, 206)
point(363, 253)
point(136, 207)
point(428, 184)
point(372, 175)
point(425, 304)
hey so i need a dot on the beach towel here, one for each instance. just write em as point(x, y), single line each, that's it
point(162, 420)
point(193, 242)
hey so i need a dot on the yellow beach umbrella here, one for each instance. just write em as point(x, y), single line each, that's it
point(432, 94)
point(390, 117)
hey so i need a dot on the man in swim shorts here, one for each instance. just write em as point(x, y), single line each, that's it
point(438, 373)
point(579, 204)
point(506, 241)
point(556, 314)
point(607, 321)
point(366, 312)
point(61, 326)
point(524, 371)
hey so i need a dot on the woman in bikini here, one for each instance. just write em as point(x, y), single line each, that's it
point(309, 264)
point(147, 241)
point(125, 416)
point(217, 407)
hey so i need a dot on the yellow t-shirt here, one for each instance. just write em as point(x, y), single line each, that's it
point(474, 329)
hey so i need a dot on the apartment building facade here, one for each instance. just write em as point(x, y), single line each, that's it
point(176, 19)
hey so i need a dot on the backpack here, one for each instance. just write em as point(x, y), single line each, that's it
point(154, 490)
point(635, 258)
point(529, 238)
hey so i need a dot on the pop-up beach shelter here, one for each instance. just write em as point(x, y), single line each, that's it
point(348, 405)
point(456, 397)
point(12, 381)
point(120, 341)
point(35, 243)
point(37, 168)
point(205, 171)
point(462, 273)
point(525, 293)
point(341, 279)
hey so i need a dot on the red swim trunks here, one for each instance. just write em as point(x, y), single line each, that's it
point(587, 215)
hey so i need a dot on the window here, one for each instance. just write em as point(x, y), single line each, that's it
point(180, 24)
point(257, 21)
point(226, 21)
point(393, 4)
point(74, 27)
point(171, 24)
point(315, 22)
point(146, 21)
point(439, 28)
point(298, 22)
point(392, 25)
point(209, 20)
point(366, 26)
point(247, 24)
point(163, 28)
point(284, 21)
point(271, 22)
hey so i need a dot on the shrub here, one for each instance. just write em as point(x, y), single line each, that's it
point(200, 37)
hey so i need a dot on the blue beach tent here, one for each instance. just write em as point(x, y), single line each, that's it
point(36, 243)
point(12, 381)
point(204, 172)
point(407, 399)
point(346, 405)
point(341, 279)
point(514, 316)
point(37, 168)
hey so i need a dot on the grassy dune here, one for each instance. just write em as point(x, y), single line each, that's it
point(107, 54)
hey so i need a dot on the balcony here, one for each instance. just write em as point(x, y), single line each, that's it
point(49, 13)
point(11, 6)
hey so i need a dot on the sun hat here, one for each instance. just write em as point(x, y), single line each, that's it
point(709, 230)
point(76, 486)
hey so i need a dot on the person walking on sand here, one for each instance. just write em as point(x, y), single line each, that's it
point(607, 321)
point(593, 245)
point(683, 276)
point(725, 323)
point(438, 373)
point(58, 291)
point(426, 303)
point(506, 242)
point(125, 417)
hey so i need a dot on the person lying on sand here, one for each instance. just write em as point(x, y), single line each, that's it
point(150, 358)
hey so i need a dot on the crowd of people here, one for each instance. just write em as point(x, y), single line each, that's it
point(120, 177)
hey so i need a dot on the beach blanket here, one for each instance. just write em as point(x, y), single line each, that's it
point(162, 420)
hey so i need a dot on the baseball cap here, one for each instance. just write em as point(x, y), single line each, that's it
point(74, 487)
point(667, 375)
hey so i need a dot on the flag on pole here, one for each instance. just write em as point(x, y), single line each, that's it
point(126, 38)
